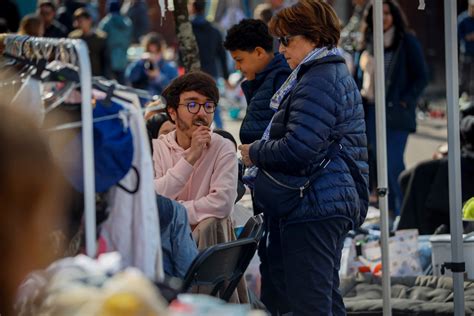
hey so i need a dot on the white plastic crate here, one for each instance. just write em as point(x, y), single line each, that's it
point(441, 253)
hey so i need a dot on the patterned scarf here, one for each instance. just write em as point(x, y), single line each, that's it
point(290, 82)
point(251, 172)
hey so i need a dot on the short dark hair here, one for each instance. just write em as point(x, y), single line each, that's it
point(316, 20)
point(47, 3)
point(82, 13)
point(248, 35)
point(192, 81)
point(199, 6)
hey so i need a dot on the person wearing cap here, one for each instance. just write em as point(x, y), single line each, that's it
point(466, 41)
point(95, 40)
point(192, 164)
point(119, 37)
point(47, 13)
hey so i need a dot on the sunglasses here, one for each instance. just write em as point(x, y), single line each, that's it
point(285, 40)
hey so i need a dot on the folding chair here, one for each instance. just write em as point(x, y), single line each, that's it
point(253, 228)
point(221, 266)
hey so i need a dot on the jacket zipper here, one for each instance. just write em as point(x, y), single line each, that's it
point(301, 188)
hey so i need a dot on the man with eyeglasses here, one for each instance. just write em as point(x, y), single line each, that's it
point(192, 164)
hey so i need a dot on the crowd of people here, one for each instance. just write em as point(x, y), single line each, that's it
point(308, 138)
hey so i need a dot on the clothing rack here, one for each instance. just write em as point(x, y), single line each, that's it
point(75, 54)
point(143, 94)
point(123, 114)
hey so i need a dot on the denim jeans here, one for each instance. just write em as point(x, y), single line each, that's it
point(218, 118)
point(396, 144)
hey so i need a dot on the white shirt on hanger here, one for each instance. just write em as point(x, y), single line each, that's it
point(133, 227)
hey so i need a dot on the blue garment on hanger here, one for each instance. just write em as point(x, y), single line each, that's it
point(113, 151)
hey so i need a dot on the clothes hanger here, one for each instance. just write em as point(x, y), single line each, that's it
point(59, 70)
point(122, 114)
point(108, 87)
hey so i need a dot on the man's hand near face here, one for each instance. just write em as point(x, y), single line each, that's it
point(200, 139)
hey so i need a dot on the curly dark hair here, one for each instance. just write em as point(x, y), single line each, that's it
point(248, 35)
point(192, 81)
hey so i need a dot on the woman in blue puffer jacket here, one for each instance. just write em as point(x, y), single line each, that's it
point(317, 133)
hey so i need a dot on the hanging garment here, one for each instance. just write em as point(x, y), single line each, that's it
point(132, 228)
point(28, 99)
point(113, 150)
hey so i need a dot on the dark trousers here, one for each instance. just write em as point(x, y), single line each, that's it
point(300, 274)
point(466, 72)
point(273, 287)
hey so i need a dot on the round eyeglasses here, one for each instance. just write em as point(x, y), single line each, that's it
point(195, 107)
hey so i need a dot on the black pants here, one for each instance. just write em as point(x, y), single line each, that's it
point(273, 287)
point(466, 72)
point(300, 265)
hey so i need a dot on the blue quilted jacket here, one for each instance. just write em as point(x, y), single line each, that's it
point(258, 93)
point(324, 105)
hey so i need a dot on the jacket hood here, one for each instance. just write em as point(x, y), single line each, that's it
point(170, 141)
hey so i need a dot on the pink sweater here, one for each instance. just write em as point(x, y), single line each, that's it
point(207, 189)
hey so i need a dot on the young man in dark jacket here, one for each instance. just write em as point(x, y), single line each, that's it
point(251, 46)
